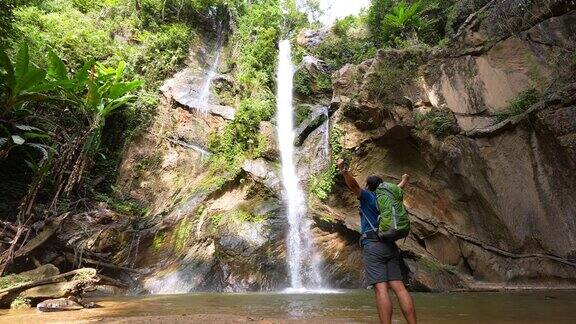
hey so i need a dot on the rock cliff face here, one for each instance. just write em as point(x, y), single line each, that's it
point(491, 199)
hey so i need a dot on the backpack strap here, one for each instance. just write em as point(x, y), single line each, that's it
point(369, 222)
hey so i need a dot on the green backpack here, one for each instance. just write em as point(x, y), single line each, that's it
point(393, 221)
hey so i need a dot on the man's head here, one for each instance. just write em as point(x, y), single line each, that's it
point(373, 182)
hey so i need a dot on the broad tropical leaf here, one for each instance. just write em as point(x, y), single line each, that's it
point(8, 68)
point(33, 76)
point(22, 62)
point(57, 70)
point(120, 71)
point(119, 89)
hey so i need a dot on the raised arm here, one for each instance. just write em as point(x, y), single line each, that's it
point(349, 179)
point(404, 181)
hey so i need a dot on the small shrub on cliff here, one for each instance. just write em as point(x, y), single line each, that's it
point(396, 70)
point(438, 122)
point(518, 105)
point(321, 184)
point(302, 112)
point(303, 83)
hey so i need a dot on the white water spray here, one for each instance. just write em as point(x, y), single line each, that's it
point(303, 261)
point(204, 96)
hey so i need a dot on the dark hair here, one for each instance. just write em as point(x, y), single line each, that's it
point(373, 182)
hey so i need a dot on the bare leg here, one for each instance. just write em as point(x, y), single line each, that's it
point(383, 302)
point(405, 300)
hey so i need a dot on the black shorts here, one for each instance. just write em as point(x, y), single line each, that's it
point(381, 262)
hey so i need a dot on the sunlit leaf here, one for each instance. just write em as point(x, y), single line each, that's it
point(82, 75)
point(119, 89)
point(120, 70)
point(3, 141)
point(28, 128)
point(22, 62)
point(18, 140)
point(56, 70)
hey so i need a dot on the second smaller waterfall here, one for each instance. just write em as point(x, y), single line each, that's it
point(203, 100)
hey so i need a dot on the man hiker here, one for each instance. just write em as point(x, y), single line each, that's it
point(381, 257)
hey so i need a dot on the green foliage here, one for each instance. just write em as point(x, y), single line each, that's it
point(182, 234)
point(518, 105)
point(307, 85)
point(430, 264)
point(75, 36)
point(216, 219)
point(12, 280)
point(6, 20)
point(302, 112)
point(122, 206)
point(237, 215)
point(303, 83)
point(321, 185)
point(395, 71)
point(162, 52)
point(20, 302)
point(394, 23)
point(439, 122)
point(257, 37)
point(345, 47)
point(158, 242)
point(245, 216)
point(154, 12)
point(23, 85)
point(240, 136)
point(342, 26)
point(324, 82)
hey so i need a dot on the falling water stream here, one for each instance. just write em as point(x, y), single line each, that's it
point(303, 261)
point(202, 103)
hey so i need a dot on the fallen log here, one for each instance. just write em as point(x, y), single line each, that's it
point(71, 258)
point(45, 281)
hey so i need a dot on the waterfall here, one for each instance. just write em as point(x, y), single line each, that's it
point(303, 261)
point(202, 103)
point(326, 133)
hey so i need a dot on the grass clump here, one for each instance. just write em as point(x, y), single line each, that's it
point(396, 70)
point(302, 113)
point(518, 105)
point(158, 242)
point(348, 43)
point(438, 122)
point(12, 280)
point(123, 206)
point(432, 265)
point(20, 303)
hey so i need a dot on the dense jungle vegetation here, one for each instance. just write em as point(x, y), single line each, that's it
point(79, 79)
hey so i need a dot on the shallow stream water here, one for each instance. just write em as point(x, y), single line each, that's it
point(354, 306)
